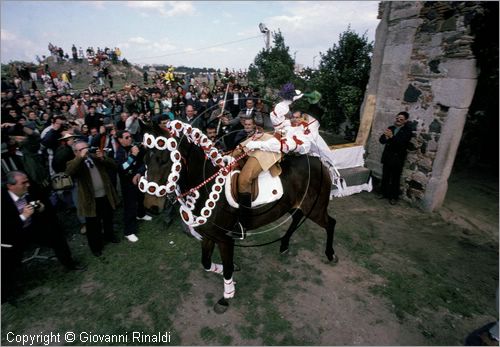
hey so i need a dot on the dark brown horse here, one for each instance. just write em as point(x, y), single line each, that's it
point(306, 186)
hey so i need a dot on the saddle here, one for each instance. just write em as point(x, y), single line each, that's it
point(265, 189)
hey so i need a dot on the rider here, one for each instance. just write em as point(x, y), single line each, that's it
point(264, 151)
point(302, 137)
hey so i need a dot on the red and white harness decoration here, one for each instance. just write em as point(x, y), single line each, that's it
point(176, 129)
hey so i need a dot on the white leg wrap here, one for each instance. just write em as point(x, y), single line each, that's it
point(217, 268)
point(229, 288)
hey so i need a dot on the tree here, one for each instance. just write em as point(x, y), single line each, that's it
point(272, 68)
point(342, 77)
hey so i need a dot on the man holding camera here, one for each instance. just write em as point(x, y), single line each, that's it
point(28, 217)
point(130, 169)
point(97, 197)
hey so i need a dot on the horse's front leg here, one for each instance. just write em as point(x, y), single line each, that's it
point(226, 250)
point(207, 249)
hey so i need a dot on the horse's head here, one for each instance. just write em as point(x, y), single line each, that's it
point(163, 167)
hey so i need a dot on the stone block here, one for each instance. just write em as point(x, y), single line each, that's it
point(404, 9)
point(411, 93)
point(435, 127)
point(459, 68)
point(449, 24)
point(398, 54)
point(454, 92)
point(414, 194)
point(388, 104)
point(432, 146)
point(417, 68)
point(419, 177)
point(425, 163)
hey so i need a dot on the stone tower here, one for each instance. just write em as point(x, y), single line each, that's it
point(423, 64)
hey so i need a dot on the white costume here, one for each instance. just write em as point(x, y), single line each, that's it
point(303, 139)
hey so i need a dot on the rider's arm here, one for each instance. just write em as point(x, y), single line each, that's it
point(271, 145)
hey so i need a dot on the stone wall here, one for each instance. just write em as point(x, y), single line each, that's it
point(427, 68)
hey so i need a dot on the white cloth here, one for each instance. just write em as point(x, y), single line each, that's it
point(348, 157)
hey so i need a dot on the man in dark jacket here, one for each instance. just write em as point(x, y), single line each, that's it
point(24, 223)
point(130, 168)
point(396, 139)
point(97, 198)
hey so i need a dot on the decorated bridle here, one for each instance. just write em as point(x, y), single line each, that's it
point(177, 129)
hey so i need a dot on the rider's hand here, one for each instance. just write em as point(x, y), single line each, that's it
point(252, 145)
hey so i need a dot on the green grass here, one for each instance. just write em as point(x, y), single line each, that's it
point(438, 271)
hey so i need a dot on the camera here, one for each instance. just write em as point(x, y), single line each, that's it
point(35, 204)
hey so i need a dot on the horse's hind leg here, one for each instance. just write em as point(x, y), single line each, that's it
point(330, 231)
point(327, 222)
point(285, 240)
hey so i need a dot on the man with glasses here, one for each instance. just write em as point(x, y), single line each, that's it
point(130, 168)
point(97, 198)
point(396, 139)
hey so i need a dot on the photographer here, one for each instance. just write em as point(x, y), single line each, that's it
point(28, 218)
point(96, 196)
point(130, 168)
point(107, 141)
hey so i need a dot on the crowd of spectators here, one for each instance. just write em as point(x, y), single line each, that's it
point(94, 135)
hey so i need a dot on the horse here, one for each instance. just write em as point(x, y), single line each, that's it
point(197, 174)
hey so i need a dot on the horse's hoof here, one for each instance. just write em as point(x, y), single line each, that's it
point(333, 258)
point(236, 267)
point(221, 306)
point(283, 250)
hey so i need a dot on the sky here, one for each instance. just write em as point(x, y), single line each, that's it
point(216, 34)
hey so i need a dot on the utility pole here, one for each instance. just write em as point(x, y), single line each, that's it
point(295, 57)
point(314, 60)
point(267, 33)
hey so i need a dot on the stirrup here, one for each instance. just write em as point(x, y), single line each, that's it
point(238, 232)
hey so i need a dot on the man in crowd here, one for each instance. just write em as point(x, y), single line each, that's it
point(247, 132)
point(130, 169)
point(97, 197)
point(27, 213)
point(396, 139)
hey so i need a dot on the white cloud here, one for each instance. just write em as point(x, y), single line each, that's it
point(15, 47)
point(7, 36)
point(146, 4)
point(139, 40)
point(311, 27)
point(216, 21)
point(164, 8)
point(162, 45)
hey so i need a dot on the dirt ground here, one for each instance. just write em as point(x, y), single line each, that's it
point(405, 277)
point(340, 308)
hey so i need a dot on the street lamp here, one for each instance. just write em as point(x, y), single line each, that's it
point(263, 29)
